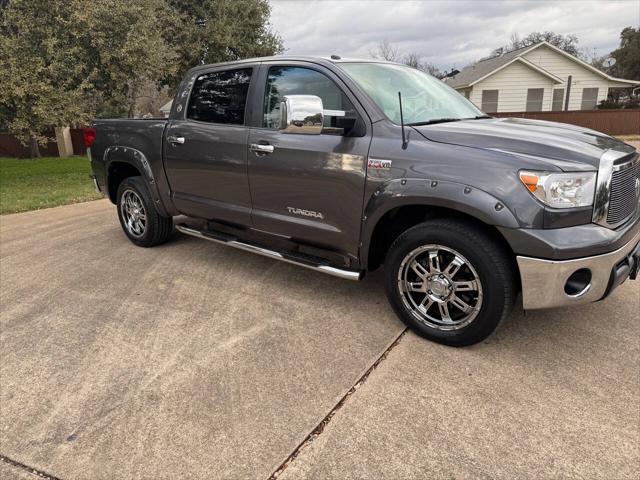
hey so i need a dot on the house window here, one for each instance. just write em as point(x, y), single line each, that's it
point(467, 94)
point(534, 99)
point(220, 97)
point(558, 99)
point(589, 98)
point(489, 101)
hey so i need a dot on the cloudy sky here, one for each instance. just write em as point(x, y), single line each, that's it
point(445, 33)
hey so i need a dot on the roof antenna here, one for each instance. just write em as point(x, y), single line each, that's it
point(405, 140)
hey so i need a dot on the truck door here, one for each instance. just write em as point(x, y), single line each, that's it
point(206, 147)
point(307, 187)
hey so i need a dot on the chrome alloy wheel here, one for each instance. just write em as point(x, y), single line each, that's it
point(133, 213)
point(440, 287)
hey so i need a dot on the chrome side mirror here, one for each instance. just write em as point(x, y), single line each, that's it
point(301, 114)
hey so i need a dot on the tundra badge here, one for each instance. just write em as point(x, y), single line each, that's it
point(306, 213)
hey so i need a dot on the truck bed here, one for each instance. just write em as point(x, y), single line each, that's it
point(137, 141)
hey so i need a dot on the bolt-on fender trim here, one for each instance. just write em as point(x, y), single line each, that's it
point(431, 192)
point(136, 158)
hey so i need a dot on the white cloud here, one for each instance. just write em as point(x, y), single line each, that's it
point(446, 33)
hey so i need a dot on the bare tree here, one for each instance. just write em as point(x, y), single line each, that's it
point(386, 51)
point(568, 43)
point(413, 60)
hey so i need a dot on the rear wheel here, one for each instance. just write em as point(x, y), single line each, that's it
point(450, 282)
point(138, 215)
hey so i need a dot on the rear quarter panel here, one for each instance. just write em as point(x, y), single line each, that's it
point(138, 142)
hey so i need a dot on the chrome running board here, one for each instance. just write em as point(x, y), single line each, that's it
point(288, 258)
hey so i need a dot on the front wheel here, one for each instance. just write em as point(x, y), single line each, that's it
point(138, 215)
point(450, 281)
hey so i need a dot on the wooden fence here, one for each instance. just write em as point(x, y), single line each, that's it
point(10, 146)
point(611, 122)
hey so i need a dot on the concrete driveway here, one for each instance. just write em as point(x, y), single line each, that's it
point(193, 360)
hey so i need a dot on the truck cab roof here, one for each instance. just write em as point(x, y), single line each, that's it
point(292, 58)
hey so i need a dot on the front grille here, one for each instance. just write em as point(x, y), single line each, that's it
point(623, 199)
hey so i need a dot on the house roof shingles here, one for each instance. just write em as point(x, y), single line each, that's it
point(483, 68)
point(479, 69)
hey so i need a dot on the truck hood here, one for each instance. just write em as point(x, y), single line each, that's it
point(568, 146)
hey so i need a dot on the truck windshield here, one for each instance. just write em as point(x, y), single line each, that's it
point(425, 99)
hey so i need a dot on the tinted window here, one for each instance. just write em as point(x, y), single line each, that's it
point(534, 99)
point(490, 101)
point(301, 81)
point(220, 97)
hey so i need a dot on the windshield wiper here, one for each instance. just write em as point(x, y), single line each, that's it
point(435, 120)
point(445, 120)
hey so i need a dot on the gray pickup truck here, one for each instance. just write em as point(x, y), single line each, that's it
point(342, 166)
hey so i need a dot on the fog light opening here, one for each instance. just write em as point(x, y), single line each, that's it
point(578, 283)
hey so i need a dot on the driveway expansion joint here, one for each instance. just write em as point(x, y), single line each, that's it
point(317, 431)
point(27, 468)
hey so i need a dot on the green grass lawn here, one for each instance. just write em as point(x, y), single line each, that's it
point(30, 184)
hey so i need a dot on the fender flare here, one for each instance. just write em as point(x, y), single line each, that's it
point(137, 159)
point(463, 198)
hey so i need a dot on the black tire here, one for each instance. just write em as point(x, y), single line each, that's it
point(487, 261)
point(156, 229)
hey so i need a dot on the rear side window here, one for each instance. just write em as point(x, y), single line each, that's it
point(220, 97)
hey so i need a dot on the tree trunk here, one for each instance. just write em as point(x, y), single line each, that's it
point(34, 148)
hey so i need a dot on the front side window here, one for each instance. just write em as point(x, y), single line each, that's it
point(589, 98)
point(424, 98)
point(490, 101)
point(220, 97)
point(283, 81)
point(534, 99)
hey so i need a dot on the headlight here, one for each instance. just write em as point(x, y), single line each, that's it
point(561, 190)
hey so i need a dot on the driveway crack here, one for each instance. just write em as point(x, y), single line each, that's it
point(319, 429)
point(31, 470)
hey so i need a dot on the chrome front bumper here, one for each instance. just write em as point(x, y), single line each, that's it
point(543, 281)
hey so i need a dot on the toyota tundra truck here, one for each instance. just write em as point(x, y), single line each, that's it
point(343, 166)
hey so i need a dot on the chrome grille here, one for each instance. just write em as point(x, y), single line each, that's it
point(616, 198)
point(623, 197)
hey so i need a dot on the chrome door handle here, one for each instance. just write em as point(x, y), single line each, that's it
point(173, 139)
point(255, 147)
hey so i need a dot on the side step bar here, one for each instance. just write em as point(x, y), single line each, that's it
point(230, 241)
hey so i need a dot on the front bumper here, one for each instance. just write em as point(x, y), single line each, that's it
point(544, 282)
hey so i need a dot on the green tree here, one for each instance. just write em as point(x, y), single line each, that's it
point(41, 83)
point(212, 31)
point(63, 62)
point(125, 49)
point(627, 55)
